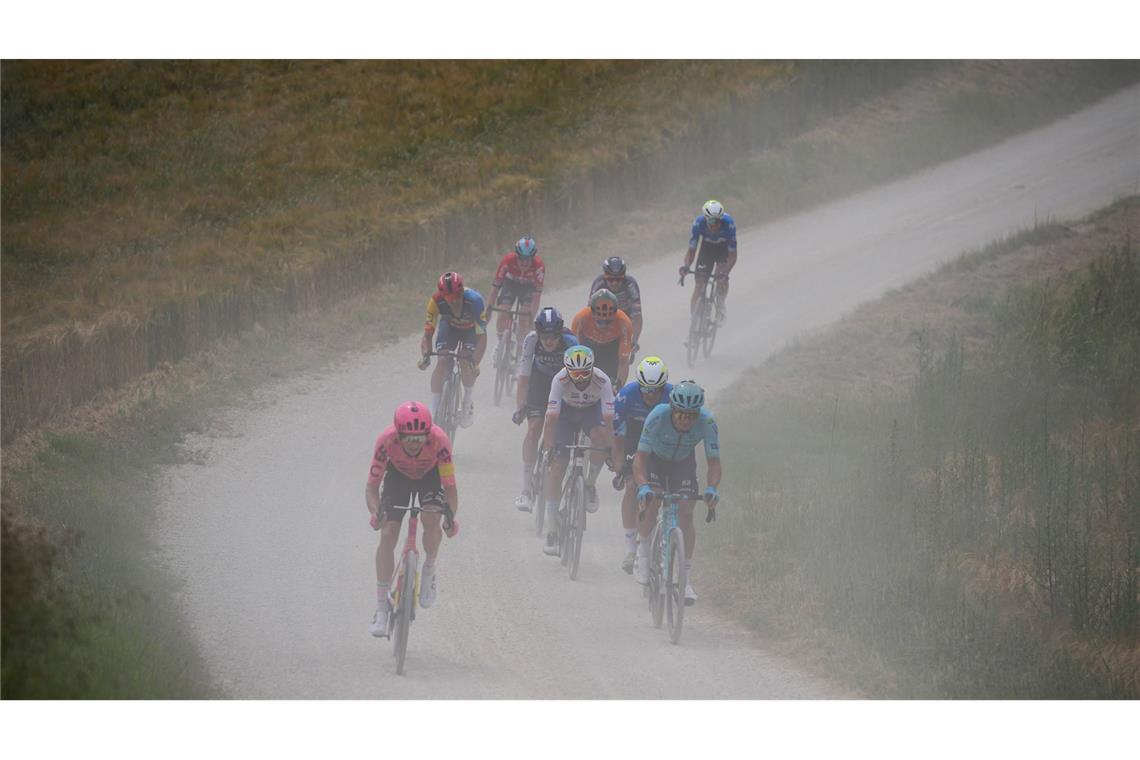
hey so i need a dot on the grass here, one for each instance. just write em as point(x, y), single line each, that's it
point(971, 532)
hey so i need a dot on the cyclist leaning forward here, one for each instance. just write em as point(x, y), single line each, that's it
point(609, 334)
point(632, 406)
point(540, 361)
point(715, 233)
point(666, 461)
point(614, 279)
point(459, 313)
point(581, 398)
point(519, 277)
point(410, 455)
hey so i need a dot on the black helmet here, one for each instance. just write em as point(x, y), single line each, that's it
point(548, 320)
point(614, 266)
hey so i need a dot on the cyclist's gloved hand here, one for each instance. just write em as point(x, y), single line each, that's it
point(644, 493)
point(684, 270)
point(450, 526)
point(424, 362)
point(518, 416)
point(712, 496)
point(374, 521)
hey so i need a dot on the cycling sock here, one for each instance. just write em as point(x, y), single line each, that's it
point(551, 507)
point(382, 594)
point(467, 389)
point(689, 570)
point(525, 477)
point(631, 540)
point(643, 546)
point(435, 397)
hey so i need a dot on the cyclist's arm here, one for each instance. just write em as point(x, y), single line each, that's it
point(694, 243)
point(634, 307)
point(429, 325)
point(553, 405)
point(451, 494)
point(641, 467)
point(715, 472)
point(376, 469)
point(607, 399)
point(625, 346)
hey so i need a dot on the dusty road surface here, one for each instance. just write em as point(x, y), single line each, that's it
point(269, 534)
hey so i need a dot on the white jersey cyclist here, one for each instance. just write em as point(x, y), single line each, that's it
point(563, 391)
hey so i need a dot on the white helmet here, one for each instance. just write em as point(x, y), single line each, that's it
point(713, 211)
point(651, 373)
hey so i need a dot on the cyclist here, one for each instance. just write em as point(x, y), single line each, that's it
point(632, 406)
point(614, 279)
point(540, 361)
point(716, 233)
point(666, 461)
point(459, 313)
point(581, 398)
point(411, 454)
point(519, 277)
point(608, 332)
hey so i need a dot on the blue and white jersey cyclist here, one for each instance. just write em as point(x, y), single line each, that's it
point(714, 232)
point(634, 403)
point(458, 311)
point(581, 399)
point(540, 360)
point(666, 462)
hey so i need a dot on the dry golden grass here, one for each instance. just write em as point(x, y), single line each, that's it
point(129, 184)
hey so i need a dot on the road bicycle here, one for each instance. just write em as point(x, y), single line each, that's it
point(447, 417)
point(572, 506)
point(506, 357)
point(702, 323)
point(404, 590)
point(667, 575)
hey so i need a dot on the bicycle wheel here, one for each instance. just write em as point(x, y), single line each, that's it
point(577, 528)
point(710, 329)
point(405, 605)
point(696, 329)
point(501, 374)
point(538, 502)
point(564, 511)
point(653, 589)
point(675, 582)
point(449, 403)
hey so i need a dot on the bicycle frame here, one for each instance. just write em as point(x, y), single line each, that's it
point(571, 506)
point(702, 325)
point(666, 587)
point(449, 402)
point(504, 355)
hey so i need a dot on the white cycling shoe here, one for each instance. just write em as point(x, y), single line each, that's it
point(467, 416)
point(427, 590)
point(379, 625)
point(690, 595)
point(522, 502)
point(628, 563)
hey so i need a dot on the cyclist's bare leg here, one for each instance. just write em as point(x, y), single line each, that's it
point(552, 490)
point(646, 524)
point(530, 441)
point(433, 534)
point(600, 437)
point(385, 552)
point(629, 506)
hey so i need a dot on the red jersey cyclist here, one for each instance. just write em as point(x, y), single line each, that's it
point(410, 455)
point(520, 277)
point(458, 311)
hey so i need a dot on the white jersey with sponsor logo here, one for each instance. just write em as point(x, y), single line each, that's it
point(563, 391)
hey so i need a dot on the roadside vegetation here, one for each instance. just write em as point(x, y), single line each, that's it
point(944, 494)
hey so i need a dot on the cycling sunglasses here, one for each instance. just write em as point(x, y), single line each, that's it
point(686, 415)
point(580, 374)
point(413, 437)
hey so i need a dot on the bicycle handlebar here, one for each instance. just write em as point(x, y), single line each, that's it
point(516, 312)
point(688, 271)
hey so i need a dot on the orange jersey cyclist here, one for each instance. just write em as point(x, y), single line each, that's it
point(581, 399)
point(459, 314)
point(410, 455)
point(520, 277)
point(614, 279)
point(608, 332)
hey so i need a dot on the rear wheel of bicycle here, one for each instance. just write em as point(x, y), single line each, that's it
point(577, 525)
point(405, 605)
point(501, 374)
point(656, 601)
point(675, 582)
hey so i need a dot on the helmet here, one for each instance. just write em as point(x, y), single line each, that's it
point(451, 283)
point(578, 357)
point(412, 418)
point(713, 211)
point(549, 320)
point(603, 303)
point(614, 266)
point(526, 247)
point(687, 396)
point(651, 373)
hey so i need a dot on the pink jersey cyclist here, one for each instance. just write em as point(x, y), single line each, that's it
point(435, 453)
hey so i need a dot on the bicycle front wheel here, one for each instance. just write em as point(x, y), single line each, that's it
point(675, 581)
point(538, 502)
point(696, 330)
point(577, 528)
point(405, 607)
point(656, 602)
point(710, 329)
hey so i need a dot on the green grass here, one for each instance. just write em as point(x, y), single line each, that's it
point(974, 536)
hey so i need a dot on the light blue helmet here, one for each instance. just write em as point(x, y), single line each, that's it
point(687, 396)
point(526, 247)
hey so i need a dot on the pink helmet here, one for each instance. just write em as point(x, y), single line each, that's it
point(412, 418)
